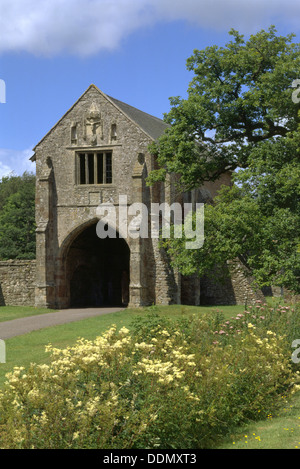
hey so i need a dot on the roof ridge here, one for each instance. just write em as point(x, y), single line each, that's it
point(137, 109)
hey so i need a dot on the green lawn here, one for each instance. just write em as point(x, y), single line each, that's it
point(8, 313)
point(277, 432)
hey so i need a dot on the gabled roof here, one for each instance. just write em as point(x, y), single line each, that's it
point(151, 125)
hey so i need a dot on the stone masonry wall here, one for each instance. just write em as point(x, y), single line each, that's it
point(237, 287)
point(244, 287)
point(17, 282)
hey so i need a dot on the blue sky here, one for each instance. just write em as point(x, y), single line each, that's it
point(133, 50)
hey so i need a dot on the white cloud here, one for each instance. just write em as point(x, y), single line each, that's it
point(16, 161)
point(77, 26)
point(84, 27)
point(222, 15)
point(4, 170)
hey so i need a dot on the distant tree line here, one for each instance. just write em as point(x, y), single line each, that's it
point(17, 216)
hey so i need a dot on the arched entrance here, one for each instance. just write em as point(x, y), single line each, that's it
point(98, 270)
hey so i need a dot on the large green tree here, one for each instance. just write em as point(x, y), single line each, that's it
point(239, 116)
point(17, 217)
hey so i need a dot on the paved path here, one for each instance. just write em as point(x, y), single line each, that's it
point(32, 323)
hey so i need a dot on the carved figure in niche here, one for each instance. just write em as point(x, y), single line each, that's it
point(93, 125)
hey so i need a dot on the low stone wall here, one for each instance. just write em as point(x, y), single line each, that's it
point(243, 285)
point(291, 297)
point(236, 287)
point(17, 282)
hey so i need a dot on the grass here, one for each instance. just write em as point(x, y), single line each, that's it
point(277, 432)
point(8, 313)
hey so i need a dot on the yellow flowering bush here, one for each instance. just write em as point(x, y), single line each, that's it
point(156, 386)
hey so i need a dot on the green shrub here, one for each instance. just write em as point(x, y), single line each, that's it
point(168, 385)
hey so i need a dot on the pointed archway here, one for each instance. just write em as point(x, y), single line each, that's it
point(98, 270)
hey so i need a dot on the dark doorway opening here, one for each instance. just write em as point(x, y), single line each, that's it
point(98, 270)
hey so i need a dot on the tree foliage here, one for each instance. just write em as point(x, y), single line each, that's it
point(17, 217)
point(240, 95)
point(240, 117)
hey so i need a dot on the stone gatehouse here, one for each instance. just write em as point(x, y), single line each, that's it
point(95, 153)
